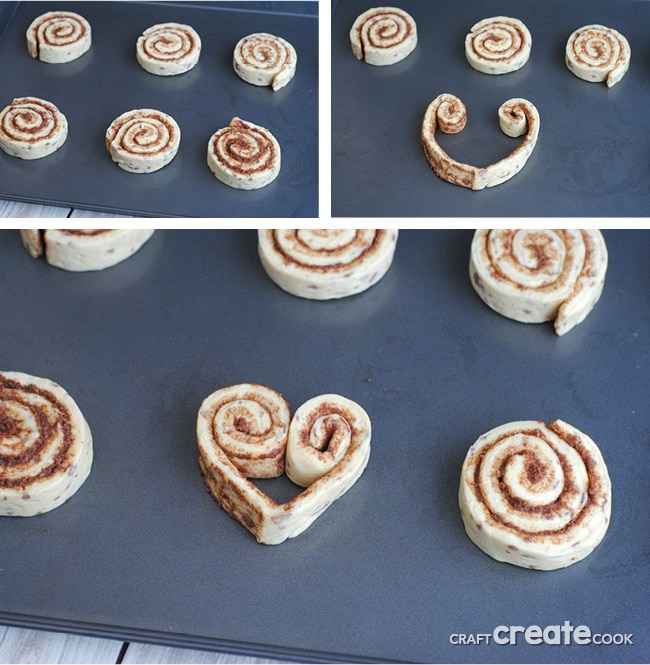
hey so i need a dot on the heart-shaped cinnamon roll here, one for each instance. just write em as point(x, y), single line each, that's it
point(245, 431)
point(447, 112)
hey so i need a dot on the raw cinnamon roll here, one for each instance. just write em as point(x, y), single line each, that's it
point(498, 45)
point(516, 117)
point(58, 37)
point(143, 140)
point(597, 53)
point(81, 250)
point(535, 495)
point(45, 445)
point(383, 36)
point(326, 263)
point(167, 49)
point(244, 155)
point(535, 275)
point(231, 419)
point(264, 59)
point(31, 128)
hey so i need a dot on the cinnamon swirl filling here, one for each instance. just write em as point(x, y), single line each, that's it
point(250, 424)
point(57, 37)
point(325, 431)
point(167, 49)
point(244, 155)
point(597, 53)
point(498, 45)
point(321, 264)
point(536, 275)
point(535, 495)
point(264, 59)
point(143, 140)
point(45, 445)
point(31, 128)
point(383, 36)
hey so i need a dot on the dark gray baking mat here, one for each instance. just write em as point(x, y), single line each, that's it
point(386, 573)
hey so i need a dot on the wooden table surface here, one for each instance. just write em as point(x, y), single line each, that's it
point(20, 645)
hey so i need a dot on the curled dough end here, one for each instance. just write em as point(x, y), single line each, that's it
point(536, 275)
point(516, 117)
point(329, 436)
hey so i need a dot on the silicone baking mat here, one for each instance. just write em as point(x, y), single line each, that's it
point(387, 572)
point(591, 157)
point(93, 90)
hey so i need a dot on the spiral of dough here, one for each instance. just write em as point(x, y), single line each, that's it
point(45, 445)
point(498, 45)
point(250, 424)
point(143, 140)
point(328, 435)
point(321, 264)
point(383, 36)
point(264, 59)
point(517, 116)
point(31, 128)
point(535, 495)
point(167, 49)
point(449, 113)
point(597, 53)
point(244, 155)
point(536, 275)
point(56, 37)
point(80, 250)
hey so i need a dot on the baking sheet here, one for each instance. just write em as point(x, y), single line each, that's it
point(387, 572)
point(591, 158)
point(93, 90)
